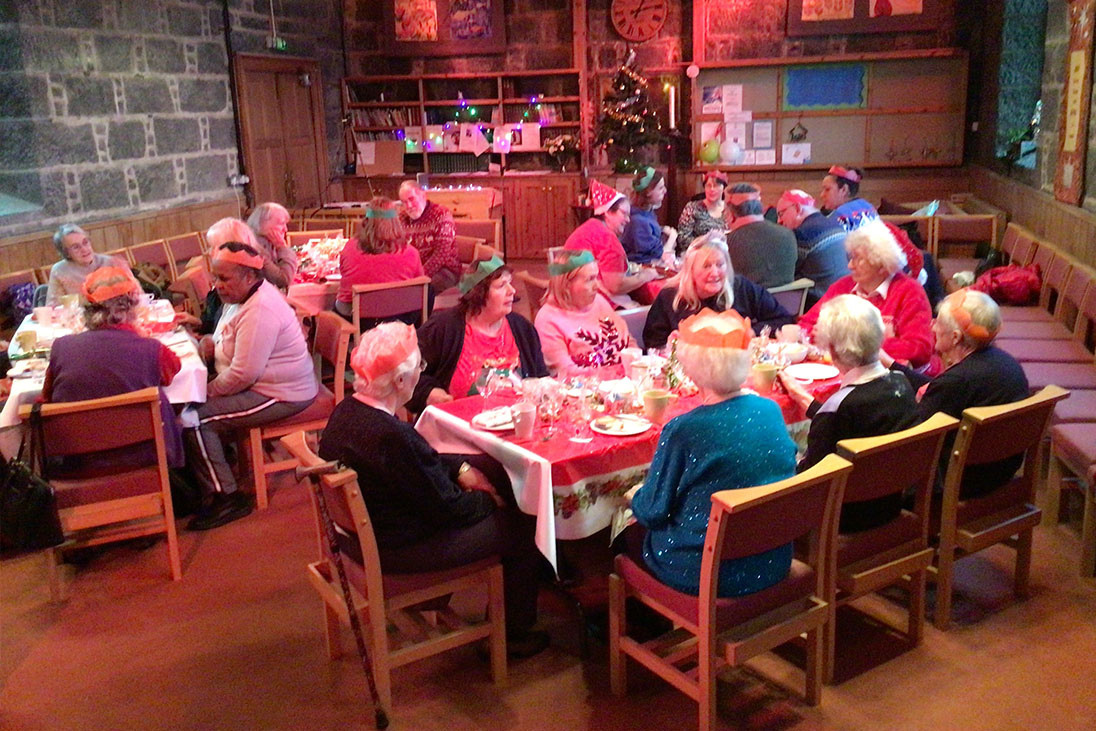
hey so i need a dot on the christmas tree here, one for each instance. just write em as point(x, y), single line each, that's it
point(628, 120)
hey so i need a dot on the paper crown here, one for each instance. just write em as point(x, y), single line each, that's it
point(406, 342)
point(371, 212)
point(798, 197)
point(575, 259)
point(479, 271)
point(107, 283)
point(244, 259)
point(717, 175)
point(845, 173)
point(956, 303)
point(602, 197)
point(709, 329)
point(643, 180)
point(737, 199)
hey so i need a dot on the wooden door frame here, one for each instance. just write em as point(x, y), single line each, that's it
point(249, 62)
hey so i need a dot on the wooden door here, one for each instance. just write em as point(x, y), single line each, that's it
point(281, 115)
point(538, 214)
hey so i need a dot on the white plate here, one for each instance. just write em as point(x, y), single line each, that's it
point(333, 277)
point(811, 371)
point(620, 426)
point(478, 421)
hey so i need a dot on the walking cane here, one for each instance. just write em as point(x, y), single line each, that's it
point(313, 475)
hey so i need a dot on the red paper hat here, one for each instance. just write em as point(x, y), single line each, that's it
point(709, 329)
point(602, 197)
point(846, 173)
point(798, 197)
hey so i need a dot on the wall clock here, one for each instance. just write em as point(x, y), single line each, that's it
point(638, 20)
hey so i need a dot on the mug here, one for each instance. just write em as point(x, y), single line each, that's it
point(27, 340)
point(44, 315)
point(655, 403)
point(525, 418)
point(763, 376)
point(790, 334)
point(628, 356)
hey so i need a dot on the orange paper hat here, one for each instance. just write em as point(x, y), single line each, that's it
point(798, 197)
point(107, 283)
point(405, 342)
point(737, 199)
point(709, 329)
point(956, 303)
point(251, 261)
point(845, 173)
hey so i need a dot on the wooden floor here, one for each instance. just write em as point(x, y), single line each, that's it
point(237, 644)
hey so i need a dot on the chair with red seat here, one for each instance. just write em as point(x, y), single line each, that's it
point(401, 624)
point(1076, 308)
point(184, 248)
point(331, 342)
point(1073, 452)
point(1055, 269)
point(154, 253)
point(389, 300)
point(1005, 515)
point(1019, 244)
point(714, 632)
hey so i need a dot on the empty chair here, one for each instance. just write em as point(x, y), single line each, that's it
point(713, 632)
point(1019, 244)
point(1005, 515)
point(153, 253)
point(401, 624)
point(1022, 334)
point(1054, 269)
point(105, 498)
point(793, 295)
point(183, 249)
point(373, 303)
point(1073, 452)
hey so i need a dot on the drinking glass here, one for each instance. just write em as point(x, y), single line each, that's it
point(551, 404)
point(582, 415)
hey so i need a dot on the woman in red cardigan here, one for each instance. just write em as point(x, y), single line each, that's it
point(875, 263)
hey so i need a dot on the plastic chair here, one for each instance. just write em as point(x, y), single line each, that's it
point(102, 503)
point(793, 296)
point(1007, 514)
point(389, 300)
point(399, 629)
point(872, 559)
point(331, 343)
point(713, 632)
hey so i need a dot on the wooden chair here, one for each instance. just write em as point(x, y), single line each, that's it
point(296, 238)
point(397, 629)
point(25, 276)
point(1005, 515)
point(194, 284)
point(1019, 244)
point(488, 229)
point(331, 343)
point(535, 291)
point(1073, 453)
point(388, 300)
point(100, 503)
point(793, 295)
point(155, 253)
point(1055, 273)
point(471, 249)
point(183, 248)
point(872, 559)
point(42, 273)
point(122, 254)
point(713, 632)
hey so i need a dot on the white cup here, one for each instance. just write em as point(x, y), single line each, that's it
point(628, 356)
point(790, 333)
point(525, 418)
point(44, 315)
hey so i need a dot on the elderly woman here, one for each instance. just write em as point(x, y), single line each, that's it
point(644, 240)
point(841, 199)
point(708, 214)
point(708, 281)
point(600, 236)
point(221, 232)
point(871, 401)
point(482, 331)
point(430, 227)
point(263, 373)
point(78, 260)
point(111, 357)
point(381, 252)
point(875, 263)
point(695, 458)
point(579, 330)
point(975, 373)
point(270, 222)
point(429, 511)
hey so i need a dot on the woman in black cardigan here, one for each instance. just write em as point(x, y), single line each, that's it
point(483, 330)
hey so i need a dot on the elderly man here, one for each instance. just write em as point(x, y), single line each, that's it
point(430, 511)
point(430, 227)
point(976, 373)
point(761, 250)
point(78, 260)
point(264, 373)
point(820, 242)
point(270, 222)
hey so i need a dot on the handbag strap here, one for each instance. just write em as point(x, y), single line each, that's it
point(36, 459)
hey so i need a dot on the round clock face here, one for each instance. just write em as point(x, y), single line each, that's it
point(638, 20)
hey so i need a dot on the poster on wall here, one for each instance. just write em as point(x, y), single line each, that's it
point(444, 27)
point(1069, 180)
point(826, 17)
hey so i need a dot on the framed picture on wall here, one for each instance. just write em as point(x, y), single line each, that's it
point(825, 17)
point(444, 27)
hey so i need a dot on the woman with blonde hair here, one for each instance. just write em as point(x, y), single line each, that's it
point(708, 280)
point(579, 331)
point(381, 252)
point(697, 457)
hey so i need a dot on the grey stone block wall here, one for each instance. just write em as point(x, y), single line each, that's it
point(112, 107)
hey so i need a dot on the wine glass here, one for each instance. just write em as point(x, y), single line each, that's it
point(582, 415)
point(551, 404)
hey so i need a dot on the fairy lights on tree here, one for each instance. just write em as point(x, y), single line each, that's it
point(628, 121)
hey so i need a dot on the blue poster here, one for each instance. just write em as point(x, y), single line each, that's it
point(829, 86)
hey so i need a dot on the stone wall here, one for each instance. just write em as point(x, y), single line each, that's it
point(111, 107)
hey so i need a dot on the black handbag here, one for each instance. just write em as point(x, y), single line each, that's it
point(28, 506)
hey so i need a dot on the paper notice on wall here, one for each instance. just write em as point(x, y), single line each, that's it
point(467, 136)
point(736, 132)
point(796, 153)
point(711, 99)
point(367, 153)
point(766, 157)
point(531, 133)
point(815, 10)
point(709, 131)
point(749, 157)
point(480, 144)
point(732, 98)
point(730, 117)
point(763, 134)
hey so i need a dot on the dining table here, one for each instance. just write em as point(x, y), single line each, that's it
point(188, 386)
point(574, 488)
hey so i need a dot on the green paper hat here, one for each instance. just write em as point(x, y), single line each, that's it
point(480, 271)
point(577, 259)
